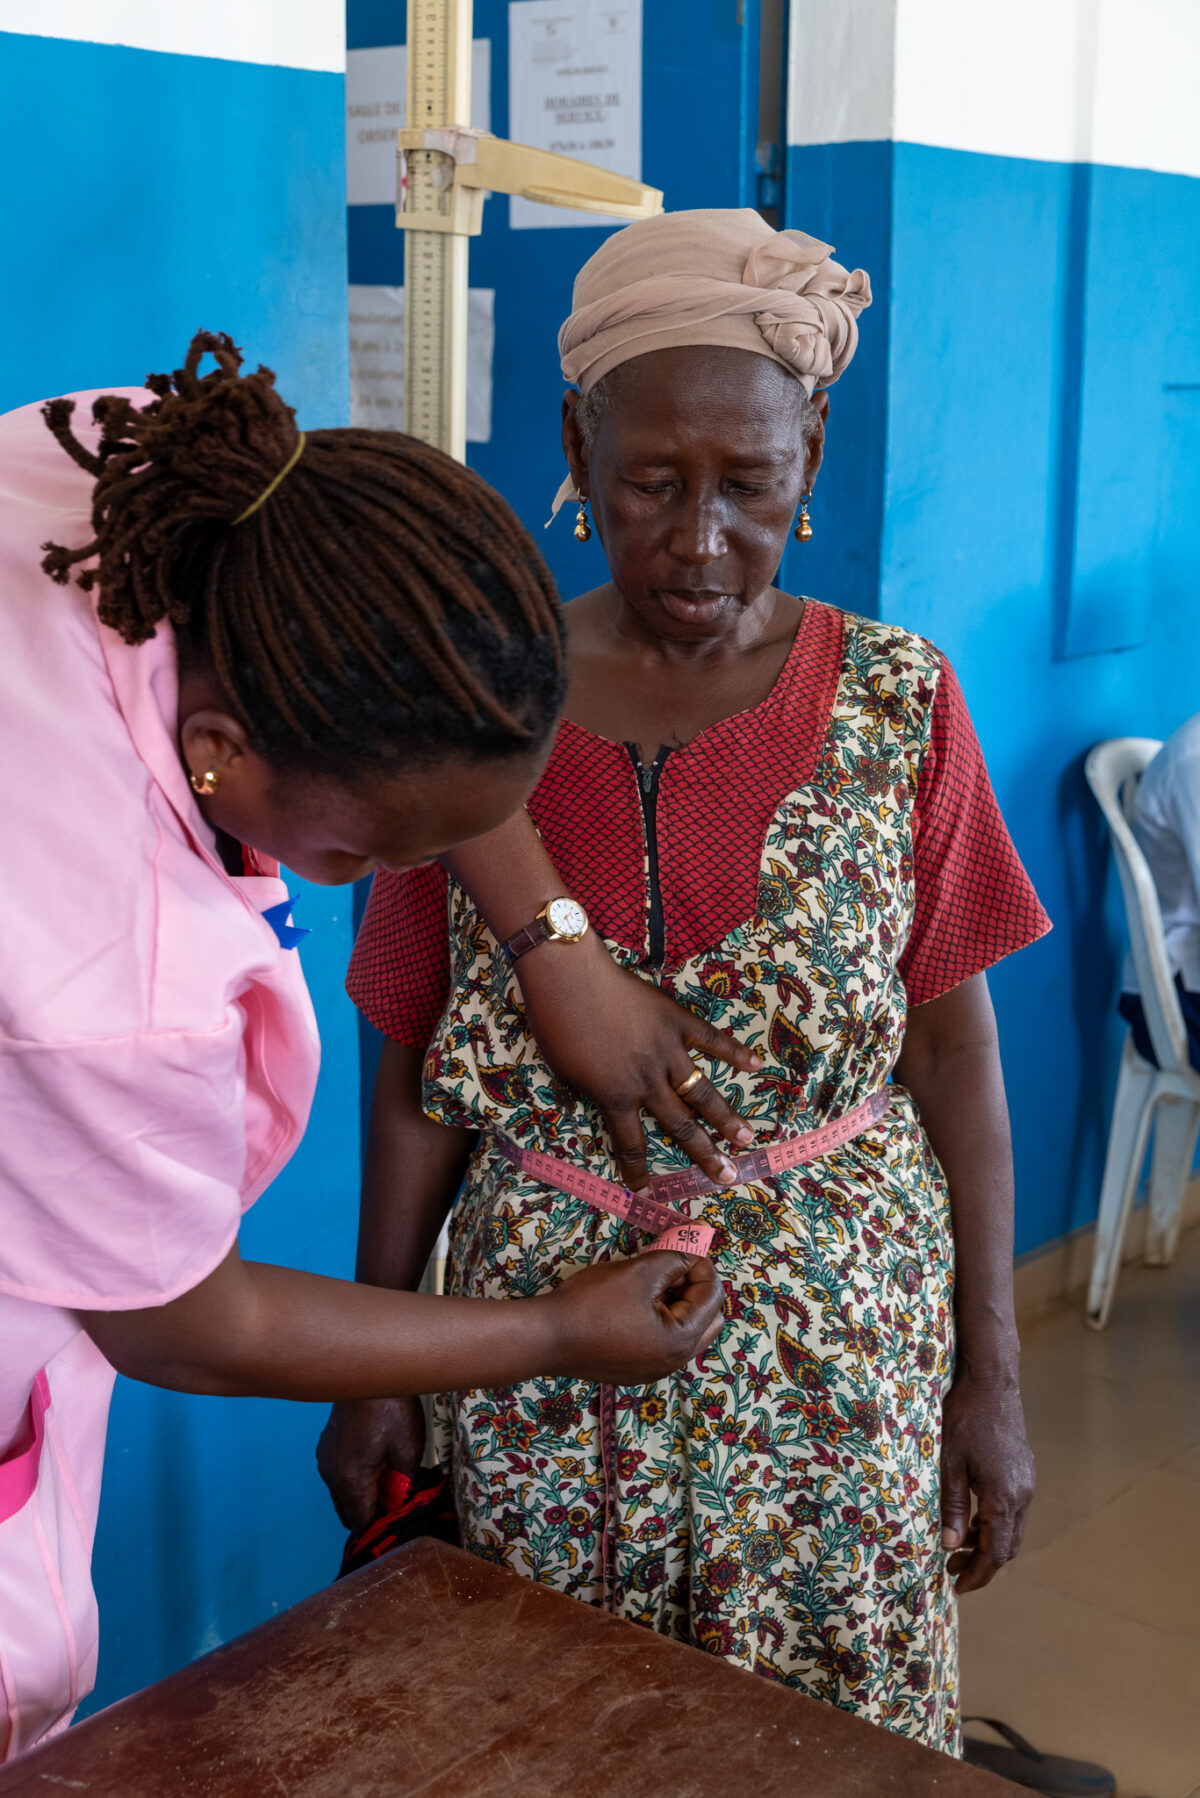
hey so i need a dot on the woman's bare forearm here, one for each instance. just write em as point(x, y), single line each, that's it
point(951, 1064)
point(413, 1170)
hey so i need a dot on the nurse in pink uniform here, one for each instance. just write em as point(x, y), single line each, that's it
point(222, 645)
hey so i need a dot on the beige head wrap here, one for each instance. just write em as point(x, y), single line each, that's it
point(712, 277)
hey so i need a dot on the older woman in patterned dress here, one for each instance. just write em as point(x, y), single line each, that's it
point(780, 814)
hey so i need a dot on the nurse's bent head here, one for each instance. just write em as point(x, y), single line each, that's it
point(371, 649)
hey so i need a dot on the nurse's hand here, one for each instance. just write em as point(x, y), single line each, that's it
point(252, 1330)
point(364, 1439)
point(624, 1322)
point(628, 1322)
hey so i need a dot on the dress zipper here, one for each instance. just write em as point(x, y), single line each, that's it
point(656, 924)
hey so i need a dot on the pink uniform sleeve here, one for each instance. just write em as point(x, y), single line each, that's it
point(975, 903)
point(399, 973)
point(158, 1050)
point(121, 1162)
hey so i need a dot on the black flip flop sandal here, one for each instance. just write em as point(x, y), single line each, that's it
point(1025, 1766)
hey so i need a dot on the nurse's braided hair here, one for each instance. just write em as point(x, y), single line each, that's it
point(382, 604)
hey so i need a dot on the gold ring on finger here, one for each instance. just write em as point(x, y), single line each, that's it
point(685, 1087)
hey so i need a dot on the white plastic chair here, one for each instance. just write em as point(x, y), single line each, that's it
point(1173, 1088)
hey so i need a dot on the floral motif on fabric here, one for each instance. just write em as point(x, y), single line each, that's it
point(777, 1503)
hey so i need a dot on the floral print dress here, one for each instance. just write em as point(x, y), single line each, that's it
point(777, 1502)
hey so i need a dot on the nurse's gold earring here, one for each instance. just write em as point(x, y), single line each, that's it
point(803, 531)
point(206, 782)
point(583, 529)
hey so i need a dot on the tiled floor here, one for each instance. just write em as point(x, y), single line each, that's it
point(1090, 1643)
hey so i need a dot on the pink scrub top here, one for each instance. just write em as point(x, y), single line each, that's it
point(158, 1053)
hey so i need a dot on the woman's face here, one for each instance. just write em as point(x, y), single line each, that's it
point(694, 475)
point(332, 833)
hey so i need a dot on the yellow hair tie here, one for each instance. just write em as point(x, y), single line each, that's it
point(282, 475)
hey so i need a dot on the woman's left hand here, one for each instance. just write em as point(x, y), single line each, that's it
point(985, 1451)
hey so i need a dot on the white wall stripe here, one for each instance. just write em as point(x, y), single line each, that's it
point(296, 34)
point(1108, 81)
point(1147, 69)
point(841, 71)
point(1003, 78)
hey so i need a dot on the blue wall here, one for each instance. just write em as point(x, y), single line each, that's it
point(177, 192)
point(1040, 474)
point(842, 193)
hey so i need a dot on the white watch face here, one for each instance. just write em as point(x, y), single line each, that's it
point(566, 917)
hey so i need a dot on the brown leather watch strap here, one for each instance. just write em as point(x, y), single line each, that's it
point(525, 939)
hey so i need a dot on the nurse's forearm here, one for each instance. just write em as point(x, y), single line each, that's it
point(251, 1330)
point(507, 873)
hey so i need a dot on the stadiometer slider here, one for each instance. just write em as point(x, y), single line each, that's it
point(446, 170)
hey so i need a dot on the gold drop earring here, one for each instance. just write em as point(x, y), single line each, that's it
point(803, 531)
point(583, 529)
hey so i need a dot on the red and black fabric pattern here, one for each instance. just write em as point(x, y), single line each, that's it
point(399, 975)
point(717, 796)
point(975, 903)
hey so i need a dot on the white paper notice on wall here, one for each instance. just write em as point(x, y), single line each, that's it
point(376, 102)
point(377, 359)
point(575, 87)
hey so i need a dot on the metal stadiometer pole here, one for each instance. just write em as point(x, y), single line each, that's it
point(435, 259)
point(446, 170)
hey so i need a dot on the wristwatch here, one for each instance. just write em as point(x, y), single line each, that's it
point(560, 920)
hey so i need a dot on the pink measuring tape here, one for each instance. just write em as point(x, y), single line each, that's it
point(650, 1211)
point(672, 1229)
point(653, 1210)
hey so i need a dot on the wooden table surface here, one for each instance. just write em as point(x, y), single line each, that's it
point(436, 1673)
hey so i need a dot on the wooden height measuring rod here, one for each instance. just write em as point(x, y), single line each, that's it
point(446, 171)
